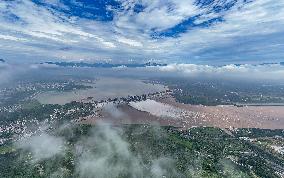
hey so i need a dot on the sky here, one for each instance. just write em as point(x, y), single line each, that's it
point(121, 31)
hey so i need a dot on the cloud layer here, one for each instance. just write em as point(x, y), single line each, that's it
point(104, 152)
point(172, 31)
point(42, 146)
point(230, 71)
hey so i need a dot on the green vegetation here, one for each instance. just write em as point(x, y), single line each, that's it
point(255, 132)
point(221, 92)
point(74, 150)
point(144, 151)
point(6, 149)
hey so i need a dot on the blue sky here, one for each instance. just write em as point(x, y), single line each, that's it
point(171, 31)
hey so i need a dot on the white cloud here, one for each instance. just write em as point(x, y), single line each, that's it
point(106, 148)
point(160, 14)
point(42, 146)
point(247, 71)
point(8, 37)
point(44, 32)
point(130, 42)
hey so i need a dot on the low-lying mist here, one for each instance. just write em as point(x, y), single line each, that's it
point(101, 152)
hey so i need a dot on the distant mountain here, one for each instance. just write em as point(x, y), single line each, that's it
point(263, 64)
point(2, 60)
point(102, 65)
point(271, 63)
point(268, 63)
